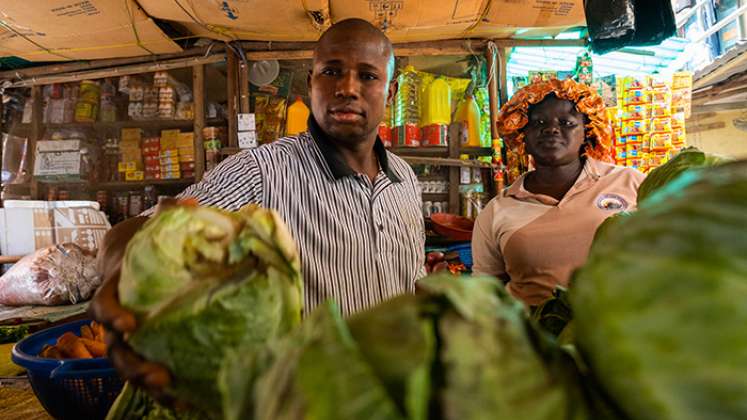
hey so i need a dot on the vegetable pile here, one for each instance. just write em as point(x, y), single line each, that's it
point(650, 328)
point(87, 345)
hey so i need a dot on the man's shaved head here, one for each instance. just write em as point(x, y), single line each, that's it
point(354, 29)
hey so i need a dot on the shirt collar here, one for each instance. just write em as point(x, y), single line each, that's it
point(337, 165)
point(589, 175)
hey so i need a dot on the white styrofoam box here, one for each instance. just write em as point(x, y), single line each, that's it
point(26, 226)
point(58, 145)
point(57, 163)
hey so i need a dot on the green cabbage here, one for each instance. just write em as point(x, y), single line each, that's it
point(686, 159)
point(203, 282)
point(460, 349)
point(659, 309)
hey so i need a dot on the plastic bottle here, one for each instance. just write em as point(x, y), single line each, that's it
point(297, 118)
point(468, 115)
point(407, 108)
point(436, 114)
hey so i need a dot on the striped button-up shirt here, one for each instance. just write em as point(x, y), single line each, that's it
point(360, 242)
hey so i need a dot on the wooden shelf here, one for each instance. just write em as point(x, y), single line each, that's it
point(440, 151)
point(437, 196)
point(477, 151)
point(149, 124)
point(122, 184)
point(421, 151)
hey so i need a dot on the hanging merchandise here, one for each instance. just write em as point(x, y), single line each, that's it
point(483, 103)
point(649, 122)
point(584, 68)
point(468, 116)
point(407, 109)
point(436, 113)
point(297, 118)
point(269, 112)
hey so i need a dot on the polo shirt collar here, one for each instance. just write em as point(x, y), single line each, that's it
point(335, 162)
point(590, 174)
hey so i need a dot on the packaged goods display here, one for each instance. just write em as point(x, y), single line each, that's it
point(649, 119)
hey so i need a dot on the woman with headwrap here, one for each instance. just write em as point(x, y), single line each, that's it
point(539, 229)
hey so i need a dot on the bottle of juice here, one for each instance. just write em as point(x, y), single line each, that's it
point(297, 117)
point(468, 116)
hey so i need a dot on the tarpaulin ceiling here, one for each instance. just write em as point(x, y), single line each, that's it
point(53, 30)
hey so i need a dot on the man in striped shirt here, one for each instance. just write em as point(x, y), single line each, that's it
point(353, 208)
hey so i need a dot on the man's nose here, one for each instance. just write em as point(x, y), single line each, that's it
point(348, 86)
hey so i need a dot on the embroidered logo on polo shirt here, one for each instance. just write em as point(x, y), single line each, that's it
point(612, 202)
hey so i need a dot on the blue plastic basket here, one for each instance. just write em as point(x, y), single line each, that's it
point(68, 389)
point(465, 253)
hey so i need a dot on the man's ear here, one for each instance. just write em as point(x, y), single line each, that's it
point(308, 80)
point(393, 86)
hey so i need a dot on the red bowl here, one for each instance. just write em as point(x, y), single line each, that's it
point(453, 227)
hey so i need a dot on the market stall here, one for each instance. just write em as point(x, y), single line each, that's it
point(166, 91)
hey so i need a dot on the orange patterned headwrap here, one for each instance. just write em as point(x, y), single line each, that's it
point(514, 115)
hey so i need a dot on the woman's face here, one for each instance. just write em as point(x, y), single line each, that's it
point(555, 132)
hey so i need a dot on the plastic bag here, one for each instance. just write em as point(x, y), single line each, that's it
point(57, 275)
point(614, 24)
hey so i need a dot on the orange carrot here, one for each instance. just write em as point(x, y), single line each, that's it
point(71, 346)
point(96, 348)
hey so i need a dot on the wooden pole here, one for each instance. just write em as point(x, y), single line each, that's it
point(119, 71)
point(198, 87)
point(503, 74)
point(493, 89)
point(233, 139)
point(243, 87)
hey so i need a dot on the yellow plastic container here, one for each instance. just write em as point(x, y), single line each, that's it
point(468, 115)
point(297, 118)
point(437, 103)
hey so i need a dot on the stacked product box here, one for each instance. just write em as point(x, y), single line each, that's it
point(169, 155)
point(152, 157)
point(131, 157)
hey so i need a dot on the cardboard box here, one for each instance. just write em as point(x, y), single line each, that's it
point(130, 166)
point(26, 226)
point(151, 151)
point(166, 161)
point(134, 176)
point(169, 139)
point(186, 141)
point(131, 155)
point(131, 135)
point(174, 167)
point(186, 166)
point(166, 153)
point(63, 30)
point(411, 20)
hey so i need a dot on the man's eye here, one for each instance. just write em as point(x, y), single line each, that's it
point(330, 72)
point(539, 122)
point(568, 123)
point(369, 76)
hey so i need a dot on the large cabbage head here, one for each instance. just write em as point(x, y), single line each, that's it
point(204, 281)
point(660, 307)
point(686, 159)
point(460, 349)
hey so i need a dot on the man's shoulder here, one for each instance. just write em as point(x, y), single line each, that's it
point(282, 150)
point(400, 167)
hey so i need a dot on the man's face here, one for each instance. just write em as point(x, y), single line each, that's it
point(349, 86)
